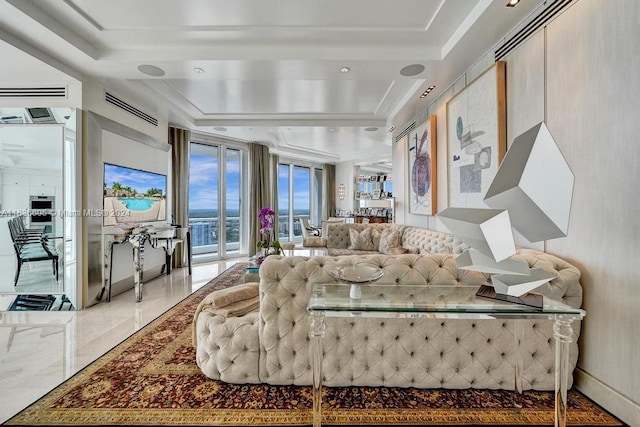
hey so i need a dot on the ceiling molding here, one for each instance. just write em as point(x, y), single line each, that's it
point(27, 48)
point(293, 121)
point(30, 9)
point(83, 15)
point(256, 51)
point(468, 22)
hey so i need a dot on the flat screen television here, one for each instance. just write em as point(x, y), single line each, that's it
point(133, 195)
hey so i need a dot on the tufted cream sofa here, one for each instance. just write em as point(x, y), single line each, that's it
point(272, 345)
point(419, 239)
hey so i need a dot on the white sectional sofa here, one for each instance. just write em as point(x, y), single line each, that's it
point(273, 346)
point(339, 239)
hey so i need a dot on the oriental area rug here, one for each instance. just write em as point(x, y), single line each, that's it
point(152, 379)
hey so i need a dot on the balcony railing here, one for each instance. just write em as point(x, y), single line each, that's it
point(204, 234)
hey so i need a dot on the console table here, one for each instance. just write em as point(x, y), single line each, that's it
point(437, 302)
point(164, 238)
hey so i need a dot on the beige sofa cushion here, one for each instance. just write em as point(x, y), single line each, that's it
point(390, 239)
point(361, 240)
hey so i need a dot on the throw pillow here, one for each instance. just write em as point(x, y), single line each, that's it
point(362, 241)
point(388, 240)
point(376, 234)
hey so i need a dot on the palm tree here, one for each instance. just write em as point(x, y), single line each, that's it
point(117, 188)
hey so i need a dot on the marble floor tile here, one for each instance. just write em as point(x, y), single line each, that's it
point(39, 350)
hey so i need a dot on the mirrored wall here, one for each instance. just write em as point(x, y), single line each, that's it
point(37, 215)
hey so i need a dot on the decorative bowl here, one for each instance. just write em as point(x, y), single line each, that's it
point(356, 274)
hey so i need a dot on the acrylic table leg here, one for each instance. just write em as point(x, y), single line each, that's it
point(138, 264)
point(317, 332)
point(106, 275)
point(562, 332)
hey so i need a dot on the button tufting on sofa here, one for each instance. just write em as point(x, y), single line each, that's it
point(273, 345)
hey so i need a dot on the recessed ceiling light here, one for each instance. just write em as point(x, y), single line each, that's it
point(371, 129)
point(220, 129)
point(198, 70)
point(412, 70)
point(151, 70)
point(332, 130)
point(512, 3)
point(345, 69)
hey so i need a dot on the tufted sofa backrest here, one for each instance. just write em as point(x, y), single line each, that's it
point(338, 234)
point(431, 241)
point(285, 288)
point(427, 241)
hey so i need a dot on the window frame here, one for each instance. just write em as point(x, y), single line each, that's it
point(222, 144)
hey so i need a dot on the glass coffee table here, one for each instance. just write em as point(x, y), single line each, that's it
point(437, 302)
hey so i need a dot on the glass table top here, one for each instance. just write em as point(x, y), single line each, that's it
point(428, 301)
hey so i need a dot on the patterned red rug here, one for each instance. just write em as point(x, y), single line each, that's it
point(152, 379)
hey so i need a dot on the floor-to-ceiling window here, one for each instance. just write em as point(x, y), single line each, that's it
point(283, 202)
point(233, 189)
point(299, 196)
point(215, 200)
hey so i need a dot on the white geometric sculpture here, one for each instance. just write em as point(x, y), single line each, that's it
point(535, 184)
point(517, 285)
point(485, 230)
point(476, 261)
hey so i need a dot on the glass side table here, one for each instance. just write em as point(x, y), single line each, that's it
point(439, 302)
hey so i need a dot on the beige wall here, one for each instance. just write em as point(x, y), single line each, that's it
point(592, 107)
point(580, 75)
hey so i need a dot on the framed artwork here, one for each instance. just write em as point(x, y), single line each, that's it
point(376, 194)
point(422, 168)
point(476, 137)
point(357, 195)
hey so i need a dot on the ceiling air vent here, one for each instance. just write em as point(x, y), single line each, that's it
point(33, 92)
point(550, 11)
point(406, 130)
point(111, 99)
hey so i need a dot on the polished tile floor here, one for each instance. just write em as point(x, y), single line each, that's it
point(35, 277)
point(39, 350)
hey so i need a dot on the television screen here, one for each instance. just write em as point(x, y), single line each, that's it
point(133, 195)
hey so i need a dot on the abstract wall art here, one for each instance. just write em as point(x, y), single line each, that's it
point(476, 137)
point(422, 168)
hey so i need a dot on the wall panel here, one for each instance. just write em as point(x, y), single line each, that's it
point(525, 96)
point(593, 93)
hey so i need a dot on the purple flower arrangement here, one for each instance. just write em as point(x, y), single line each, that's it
point(269, 246)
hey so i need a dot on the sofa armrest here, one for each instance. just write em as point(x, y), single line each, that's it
point(228, 348)
point(565, 287)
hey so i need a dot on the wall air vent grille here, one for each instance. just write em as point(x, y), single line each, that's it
point(33, 92)
point(405, 131)
point(550, 11)
point(113, 100)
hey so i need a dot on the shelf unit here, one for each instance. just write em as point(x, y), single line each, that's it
point(374, 198)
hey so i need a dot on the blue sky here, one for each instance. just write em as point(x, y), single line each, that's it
point(203, 184)
point(301, 188)
point(139, 180)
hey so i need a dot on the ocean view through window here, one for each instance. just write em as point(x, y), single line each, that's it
point(215, 183)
